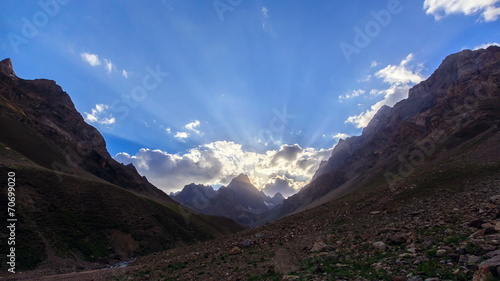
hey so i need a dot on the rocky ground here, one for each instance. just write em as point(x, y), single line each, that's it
point(431, 230)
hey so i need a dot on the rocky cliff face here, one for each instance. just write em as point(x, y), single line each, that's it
point(77, 147)
point(459, 102)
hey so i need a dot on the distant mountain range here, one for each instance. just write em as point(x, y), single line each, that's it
point(240, 200)
point(73, 199)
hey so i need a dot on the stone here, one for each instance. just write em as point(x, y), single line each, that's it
point(260, 235)
point(235, 251)
point(412, 250)
point(476, 223)
point(290, 277)
point(473, 259)
point(246, 243)
point(490, 230)
point(495, 199)
point(486, 225)
point(493, 253)
point(375, 212)
point(441, 252)
point(327, 256)
point(477, 234)
point(379, 245)
point(285, 261)
point(483, 274)
point(322, 247)
point(493, 262)
point(397, 239)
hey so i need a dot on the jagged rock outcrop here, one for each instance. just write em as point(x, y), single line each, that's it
point(457, 103)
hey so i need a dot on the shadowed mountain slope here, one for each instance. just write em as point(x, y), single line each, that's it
point(457, 108)
point(73, 200)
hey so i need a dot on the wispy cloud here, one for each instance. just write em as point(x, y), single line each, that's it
point(94, 60)
point(181, 136)
point(265, 12)
point(355, 93)
point(193, 126)
point(99, 115)
point(488, 9)
point(91, 59)
point(109, 65)
point(266, 25)
point(400, 78)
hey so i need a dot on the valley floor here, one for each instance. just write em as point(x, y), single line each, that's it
point(432, 229)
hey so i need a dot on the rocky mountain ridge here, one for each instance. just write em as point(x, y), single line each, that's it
point(239, 200)
point(457, 103)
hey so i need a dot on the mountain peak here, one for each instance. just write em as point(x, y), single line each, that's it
point(6, 67)
point(242, 178)
point(278, 196)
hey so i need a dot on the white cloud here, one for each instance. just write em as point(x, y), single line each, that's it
point(484, 46)
point(91, 59)
point(181, 135)
point(99, 115)
point(355, 93)
point(373, 64)
point(168, 130)
point(440, 8)
point(400, 74)
point(340, 136)
point(125, 73)
point(400, 78)
point(218, 162)
point(193, 126)
point(109, 65)
point(392, 95)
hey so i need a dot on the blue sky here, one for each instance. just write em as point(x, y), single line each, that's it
point(201, 91)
